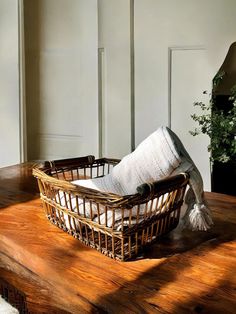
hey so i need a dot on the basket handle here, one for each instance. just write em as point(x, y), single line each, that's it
point(163, 186)
point(86, 160)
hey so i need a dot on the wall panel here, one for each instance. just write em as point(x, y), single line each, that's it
point(114, 38)
point(9, 84)
point(61, 77)
point(162, 26)
point(189, 77)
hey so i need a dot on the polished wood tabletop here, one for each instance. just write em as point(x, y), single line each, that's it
point(185, 272)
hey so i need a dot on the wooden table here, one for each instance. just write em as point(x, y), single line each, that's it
point(188, 272)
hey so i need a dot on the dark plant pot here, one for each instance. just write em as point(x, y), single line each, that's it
point(223, 177)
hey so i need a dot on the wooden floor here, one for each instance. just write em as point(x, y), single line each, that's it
point(188, 272)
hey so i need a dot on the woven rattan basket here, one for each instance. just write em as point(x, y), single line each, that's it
point(117, 226)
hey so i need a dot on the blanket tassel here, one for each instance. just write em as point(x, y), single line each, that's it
point(199, 218)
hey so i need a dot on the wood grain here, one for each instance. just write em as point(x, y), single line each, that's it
point(187, 272)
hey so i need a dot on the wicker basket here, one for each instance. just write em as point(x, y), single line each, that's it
point(117, 226)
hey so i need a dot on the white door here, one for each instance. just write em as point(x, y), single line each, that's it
point(179, 47)
point(61, 78)
point(9, 84)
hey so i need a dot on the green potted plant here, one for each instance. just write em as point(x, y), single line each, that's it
point(219, 123)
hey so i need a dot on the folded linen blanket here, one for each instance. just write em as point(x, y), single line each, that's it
point(6, 307)
point(160, 155)
point(109, 218)
point(154, 159)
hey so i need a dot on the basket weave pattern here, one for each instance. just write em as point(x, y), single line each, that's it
point(117, 226)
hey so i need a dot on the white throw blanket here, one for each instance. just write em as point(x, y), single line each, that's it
point(154, 159)
point(160, 155)
point(109, 219)
point(7, 308)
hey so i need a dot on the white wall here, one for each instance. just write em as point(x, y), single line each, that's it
point(61, 75)
point(114, 37)
point(171, 37)
point(160, 24)
point(9, 84)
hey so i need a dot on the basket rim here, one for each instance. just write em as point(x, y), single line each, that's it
point(144, 193)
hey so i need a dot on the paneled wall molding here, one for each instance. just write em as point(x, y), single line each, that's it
point(61, 78)
point(171, 51)
point(22, 101)
point(59, 146)
point(132, 75)
point(101, 102)
point(115, 83)
point(59, 136)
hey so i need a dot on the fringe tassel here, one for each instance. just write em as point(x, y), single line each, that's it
point(199, 218)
